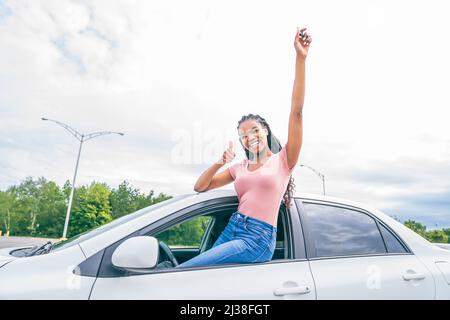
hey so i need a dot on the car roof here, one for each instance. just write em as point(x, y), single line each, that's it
point(211, 194)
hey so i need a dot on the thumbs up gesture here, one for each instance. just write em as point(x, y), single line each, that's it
point(228, 155)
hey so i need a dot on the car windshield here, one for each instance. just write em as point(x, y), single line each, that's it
point(99, 230)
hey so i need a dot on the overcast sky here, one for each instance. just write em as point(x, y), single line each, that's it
point(176, 76)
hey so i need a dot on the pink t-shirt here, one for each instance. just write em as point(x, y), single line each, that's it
point(261, 191)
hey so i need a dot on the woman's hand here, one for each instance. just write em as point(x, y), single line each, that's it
point(228, 154)
point(209, 179)
point(301, 42)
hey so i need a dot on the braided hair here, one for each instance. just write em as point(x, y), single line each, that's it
point(275, 147)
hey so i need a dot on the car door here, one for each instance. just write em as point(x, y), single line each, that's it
point(288, 278)
point(353, 255)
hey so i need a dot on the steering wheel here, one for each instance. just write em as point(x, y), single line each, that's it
point(164, 247)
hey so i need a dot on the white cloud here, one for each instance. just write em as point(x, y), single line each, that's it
point(376, 96)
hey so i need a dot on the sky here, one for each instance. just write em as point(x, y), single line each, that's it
point(176, 76)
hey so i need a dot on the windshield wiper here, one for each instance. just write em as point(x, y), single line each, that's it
point(45, 248)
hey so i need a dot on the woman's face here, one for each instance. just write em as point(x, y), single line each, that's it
point(253, 136)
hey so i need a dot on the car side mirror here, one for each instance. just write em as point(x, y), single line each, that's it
point(137, 254)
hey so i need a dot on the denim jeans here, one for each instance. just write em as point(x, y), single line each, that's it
point(244, 240)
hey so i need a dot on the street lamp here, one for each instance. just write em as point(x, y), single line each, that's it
point(321, 176)
point(82, 138)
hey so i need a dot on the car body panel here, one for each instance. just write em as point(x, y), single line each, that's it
point(257, 281)
point(50, 276)
point(371, 277)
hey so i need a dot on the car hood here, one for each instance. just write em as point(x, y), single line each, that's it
point(6, 257)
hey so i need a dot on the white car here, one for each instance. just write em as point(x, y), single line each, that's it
point(327, 248)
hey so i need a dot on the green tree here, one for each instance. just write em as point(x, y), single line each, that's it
point(160, 197)
point(91, 208)
point(52, 208)
point(67, 187)
point(447, 232)
point(40, 208)
point(438, 236)
point(28, 195)
point(416, 227)
point(7, 209)
point(126, 199)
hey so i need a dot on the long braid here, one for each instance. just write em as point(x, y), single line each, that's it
point(275, 147)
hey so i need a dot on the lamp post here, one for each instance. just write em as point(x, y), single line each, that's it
point(321, 176)
point(82, 138)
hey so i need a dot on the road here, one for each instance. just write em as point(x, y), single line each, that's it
point(6, 242)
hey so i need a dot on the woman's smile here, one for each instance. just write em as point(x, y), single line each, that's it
point(255, 145)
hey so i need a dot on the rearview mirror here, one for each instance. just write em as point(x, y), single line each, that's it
point(137, 254)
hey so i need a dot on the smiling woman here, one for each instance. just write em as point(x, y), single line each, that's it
point(261, 181)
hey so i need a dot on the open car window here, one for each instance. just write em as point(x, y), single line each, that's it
point(217, 212)
point(187, 234)
point(196, 235)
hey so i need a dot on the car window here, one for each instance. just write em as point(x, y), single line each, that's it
point(187, 234)
point(392, 243)
point(336, 231)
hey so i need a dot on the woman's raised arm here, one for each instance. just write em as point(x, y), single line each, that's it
point(294, 143)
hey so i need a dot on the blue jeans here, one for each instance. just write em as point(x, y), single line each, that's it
point(244, 240)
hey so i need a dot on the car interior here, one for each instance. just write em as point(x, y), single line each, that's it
point(217, 220)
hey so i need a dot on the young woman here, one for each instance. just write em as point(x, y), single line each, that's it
point(261, 181)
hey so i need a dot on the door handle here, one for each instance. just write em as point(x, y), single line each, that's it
point(291, 290)
point(413, 276)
